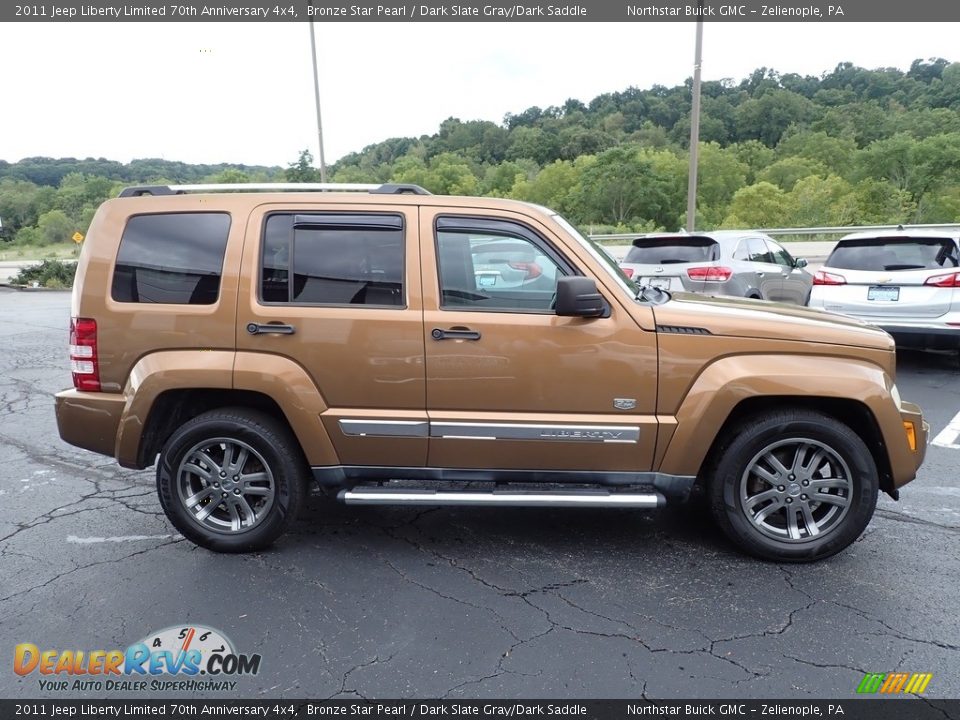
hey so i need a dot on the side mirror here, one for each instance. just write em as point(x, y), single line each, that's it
point(800, 263)
point(578, 297)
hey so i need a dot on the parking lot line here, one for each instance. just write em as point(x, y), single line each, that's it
point(948, 436)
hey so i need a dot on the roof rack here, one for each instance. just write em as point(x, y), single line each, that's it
point(384, 189)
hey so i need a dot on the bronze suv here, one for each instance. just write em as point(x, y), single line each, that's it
point(398, 347)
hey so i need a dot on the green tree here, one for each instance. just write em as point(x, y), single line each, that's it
point(620, 188)
point(817, 202)
point(230, 176)
point(761, 205)
point(833, 153)
point(302, 171)
point(553, 187)
point(786, 172)
point(720, 174)
point(55, 227)
point(755, 155)
point(767, 117)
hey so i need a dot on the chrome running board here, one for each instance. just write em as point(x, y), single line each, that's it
point(511, 498)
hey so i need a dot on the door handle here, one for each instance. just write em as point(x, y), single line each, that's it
point(273, 327)
point(454, 334)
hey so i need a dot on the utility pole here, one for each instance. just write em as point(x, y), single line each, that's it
point(695, 126)
point(316, 93)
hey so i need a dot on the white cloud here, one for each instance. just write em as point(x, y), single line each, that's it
point(243, 92)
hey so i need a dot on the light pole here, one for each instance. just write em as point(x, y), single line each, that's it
point(316, 93)
point(695, 126)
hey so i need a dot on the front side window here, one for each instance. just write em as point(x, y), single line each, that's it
point(171, 258)
point(757, 251)
point(496, 265)
point(780, 256)
point(333, 259)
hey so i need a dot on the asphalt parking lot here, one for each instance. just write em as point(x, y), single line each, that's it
point(385, 602)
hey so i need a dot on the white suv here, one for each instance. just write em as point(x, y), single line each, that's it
point(904, 281)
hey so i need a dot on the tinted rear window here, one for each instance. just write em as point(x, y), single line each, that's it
point(672, 251)
point(336, 258)
point(887, 254)
point(172, 258)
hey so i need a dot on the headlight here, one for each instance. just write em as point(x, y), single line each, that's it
point(895, 394)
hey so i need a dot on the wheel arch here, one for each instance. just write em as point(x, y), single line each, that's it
point(172, 408)
point(852, 413)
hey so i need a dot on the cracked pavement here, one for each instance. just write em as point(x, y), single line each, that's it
point(382, 602)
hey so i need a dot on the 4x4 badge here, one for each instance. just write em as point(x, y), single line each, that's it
point(624, 403)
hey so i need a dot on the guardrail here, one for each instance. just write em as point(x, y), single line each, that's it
point(811, 232)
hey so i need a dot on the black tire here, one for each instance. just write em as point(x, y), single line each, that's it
point(754, 509)
point(269, 465)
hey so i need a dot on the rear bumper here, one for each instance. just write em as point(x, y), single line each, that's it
point(89, 420)
point(931, 336)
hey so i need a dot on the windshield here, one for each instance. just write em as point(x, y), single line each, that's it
point(600, 254)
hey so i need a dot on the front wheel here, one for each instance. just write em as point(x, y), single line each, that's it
point(231, 480)
point(793, 486)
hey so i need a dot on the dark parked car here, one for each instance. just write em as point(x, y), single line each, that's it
point(728, 262)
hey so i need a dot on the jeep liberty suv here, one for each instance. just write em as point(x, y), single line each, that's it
point(398, 347)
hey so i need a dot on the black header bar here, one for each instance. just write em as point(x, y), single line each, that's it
point(640, 11)
point(893, 708)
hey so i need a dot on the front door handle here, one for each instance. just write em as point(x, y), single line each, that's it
point(273, 327)
point(455, 334)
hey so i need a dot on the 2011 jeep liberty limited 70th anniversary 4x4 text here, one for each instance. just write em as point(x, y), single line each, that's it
point(405, 348)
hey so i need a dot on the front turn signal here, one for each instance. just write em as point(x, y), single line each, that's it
point(911, 435)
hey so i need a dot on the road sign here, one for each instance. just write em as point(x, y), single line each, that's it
point(78, 237)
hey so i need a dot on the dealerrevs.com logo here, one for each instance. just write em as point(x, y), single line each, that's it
point(182, 652)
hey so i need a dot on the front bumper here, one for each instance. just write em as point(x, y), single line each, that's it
point(905, 465)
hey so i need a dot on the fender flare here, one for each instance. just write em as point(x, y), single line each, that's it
point(279, 378)
point(724, 384)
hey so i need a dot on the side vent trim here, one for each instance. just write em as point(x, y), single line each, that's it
point(682, 330)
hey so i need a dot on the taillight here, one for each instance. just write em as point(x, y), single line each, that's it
point(627, 271)
point(711, 273)
point(84, 363)
point(950, 280)
point(825, 278)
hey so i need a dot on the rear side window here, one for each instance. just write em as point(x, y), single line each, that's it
point(887, 254)
point(171, 258)
point(671, 251)
point(333, 259)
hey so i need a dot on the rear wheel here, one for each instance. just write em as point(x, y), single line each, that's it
point(231, 480)
point(793, 486)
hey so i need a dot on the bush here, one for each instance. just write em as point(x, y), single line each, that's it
point(49, 273)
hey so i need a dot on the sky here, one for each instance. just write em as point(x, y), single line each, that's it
point(243, 92)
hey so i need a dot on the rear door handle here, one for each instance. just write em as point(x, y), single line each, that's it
point(454, 334)
point(273, 327)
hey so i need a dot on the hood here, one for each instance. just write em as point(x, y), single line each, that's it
point(740, 317)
